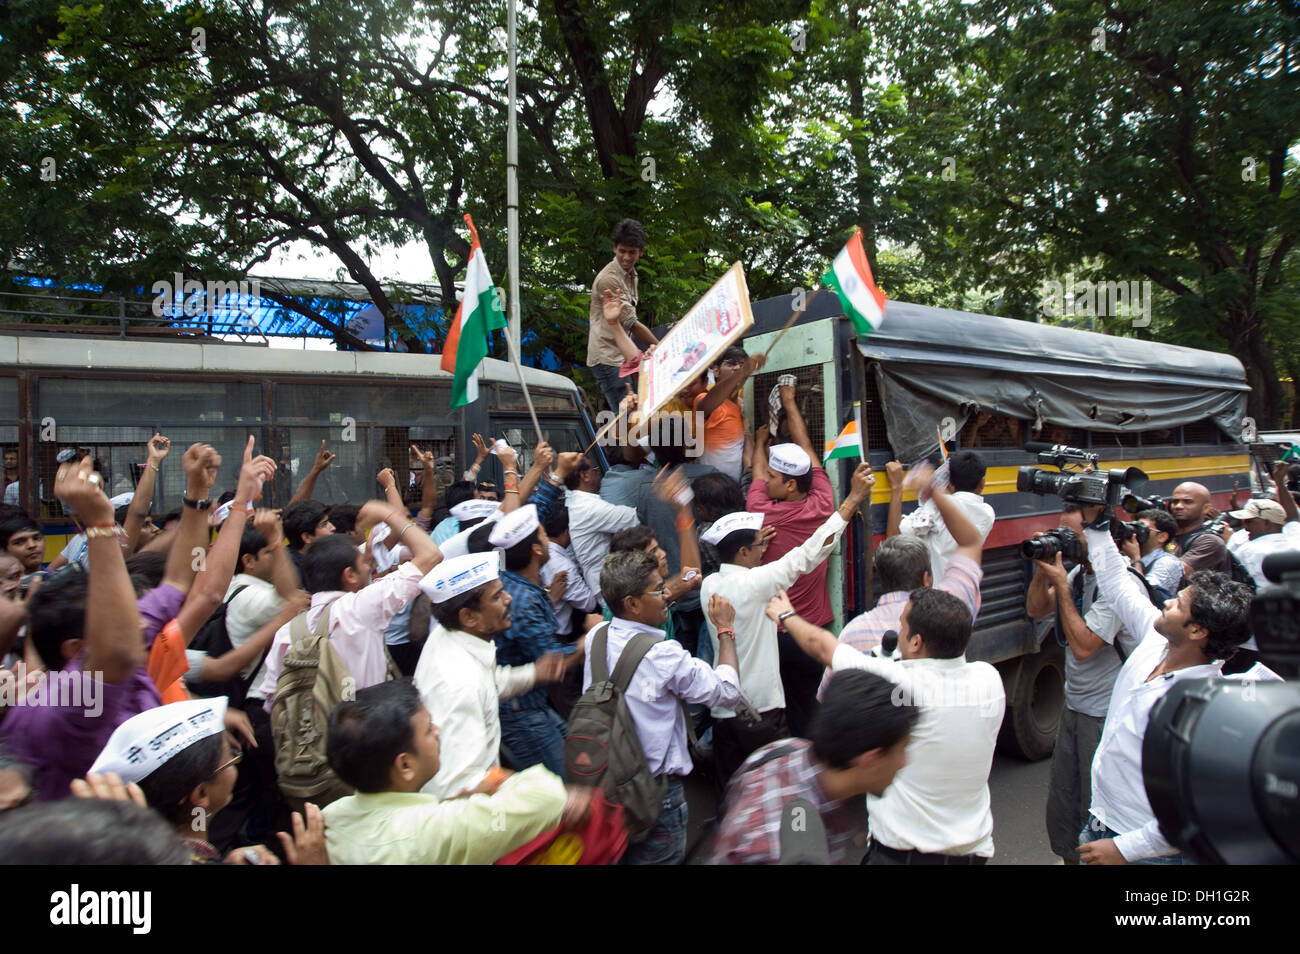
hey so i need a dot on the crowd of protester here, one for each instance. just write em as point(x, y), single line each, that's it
point(373, 683)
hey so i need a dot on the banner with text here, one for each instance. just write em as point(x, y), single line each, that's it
point(696, 341)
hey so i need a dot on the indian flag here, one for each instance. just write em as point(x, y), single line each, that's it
point(478, 314)
point(849, 443)
point(850, 276)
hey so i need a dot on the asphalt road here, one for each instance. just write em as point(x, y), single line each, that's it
point(1018, 791)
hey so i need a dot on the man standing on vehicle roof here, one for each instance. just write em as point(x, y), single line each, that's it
point(616, 284)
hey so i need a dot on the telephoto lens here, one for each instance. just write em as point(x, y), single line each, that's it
point(1046, 547)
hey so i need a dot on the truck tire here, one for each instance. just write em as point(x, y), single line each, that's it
point(1035, 687)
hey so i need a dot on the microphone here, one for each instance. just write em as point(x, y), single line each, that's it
point(888, 643)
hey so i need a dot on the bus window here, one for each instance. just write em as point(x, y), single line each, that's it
point(808, 394)
point(563, 436)
point(988, 429)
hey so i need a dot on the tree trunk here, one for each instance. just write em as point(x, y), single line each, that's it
point(1264, 403)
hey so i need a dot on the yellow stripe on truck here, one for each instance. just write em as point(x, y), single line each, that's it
point(1002, 480)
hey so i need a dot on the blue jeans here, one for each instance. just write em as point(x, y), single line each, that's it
point(666, 843)
point(611, 385)
point(1094, 830)
point(532, 737)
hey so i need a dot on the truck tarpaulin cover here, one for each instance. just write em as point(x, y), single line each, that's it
point(935, 363)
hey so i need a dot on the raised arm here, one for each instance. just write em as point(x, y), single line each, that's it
point(136, 514)
point(283, 575)
point(798, 429)
point(387, 481)
point(1125, 594)
point(780, 574)
point(218, 566)
point(308, 486)
point(113, 636)
point(428, 484)
point(1083, 641)
point(539, 468)
point(726, 386)
point(612, 307)
point(894, 471)
point(200, 463)
point(817, 643)
point(959, 525)
point(673, 490)
point(1281, 470)
point(761, 472)
point(424, 552)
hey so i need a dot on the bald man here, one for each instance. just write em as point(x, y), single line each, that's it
point(1199, 550)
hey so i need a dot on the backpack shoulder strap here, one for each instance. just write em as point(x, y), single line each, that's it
point(238, 590)
point(630, 658)
point(597, 651)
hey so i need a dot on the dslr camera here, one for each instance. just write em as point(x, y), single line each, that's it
point(1123, 531)
point(1079, 481)
point(1061, 540)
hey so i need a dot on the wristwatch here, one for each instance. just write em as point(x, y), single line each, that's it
point(197, 504)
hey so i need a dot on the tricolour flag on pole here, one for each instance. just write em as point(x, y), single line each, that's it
point(850, 276)
point(849, 442)
point(478, 314)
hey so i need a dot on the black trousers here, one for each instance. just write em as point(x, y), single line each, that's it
point(734, 741)
point(256, 810)
point(800, 677)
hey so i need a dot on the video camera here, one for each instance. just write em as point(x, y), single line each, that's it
point(1218, 758)
point(1087, 487)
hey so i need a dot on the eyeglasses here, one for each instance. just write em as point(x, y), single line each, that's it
point(239, 755)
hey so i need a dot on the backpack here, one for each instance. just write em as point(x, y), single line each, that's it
point(312, 683)
point(1236, 569)
point(602, 748)
point(214, 639)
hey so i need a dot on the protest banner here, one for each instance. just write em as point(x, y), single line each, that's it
point(719, 318)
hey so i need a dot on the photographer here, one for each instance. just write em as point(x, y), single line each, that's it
point(1271, 526)
point(1197, 545)
point(1204, 624)
point(1151, 558)
point(1096, 646)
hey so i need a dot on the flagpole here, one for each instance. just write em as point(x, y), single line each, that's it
point(794, 316)
point(512, 188)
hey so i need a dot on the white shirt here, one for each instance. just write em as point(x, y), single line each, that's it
point(592, 522)
point(1251, 553)
point(749, 590)
point(927, 523)
point(576, 591)
point(1119, 795)
point(667, 677)
point(256, 605)
point(357, 624)
point(939, 801)
point(461, 685)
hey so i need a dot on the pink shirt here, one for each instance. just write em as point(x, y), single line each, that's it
point(357, 624)
point(795, 521)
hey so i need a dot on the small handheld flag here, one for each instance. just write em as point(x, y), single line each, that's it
point(849, 441)
point(850, 276)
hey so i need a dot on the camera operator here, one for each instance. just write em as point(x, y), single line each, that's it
point(1204, 624)
point(1197, 545)
point(1271, 526)
point(1151, 557)
point(1096, 645)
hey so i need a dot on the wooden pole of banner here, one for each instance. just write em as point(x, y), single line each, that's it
point(794, 316)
